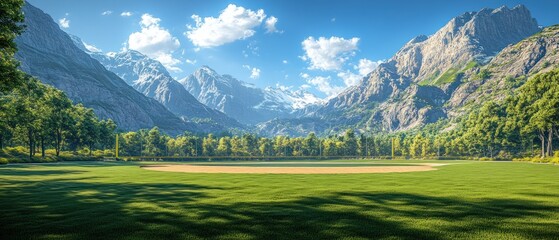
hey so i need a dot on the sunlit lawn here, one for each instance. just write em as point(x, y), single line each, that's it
point(95, 200)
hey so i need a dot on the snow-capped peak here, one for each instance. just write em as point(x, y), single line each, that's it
point(296, 99)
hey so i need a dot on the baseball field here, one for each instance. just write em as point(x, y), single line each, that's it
point(285, 200)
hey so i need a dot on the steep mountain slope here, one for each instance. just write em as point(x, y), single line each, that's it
point(242, 101)
point(150, 77)
point(48, 53)
point(507, 71)
point(413, 87)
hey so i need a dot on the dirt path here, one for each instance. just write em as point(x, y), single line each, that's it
point(289, 170)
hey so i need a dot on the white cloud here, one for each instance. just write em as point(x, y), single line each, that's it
point(255, 73)
point(156, 42)
point(323, 84)
point(270, 25)
point(350, 79)
point(328, 53)
point(365, 66)
point(304, 75)
point(126, 14)
point(64, 22)
point(108, 12)
point(251, 48)
point(284, 61)
point(233, 23)
point(192, 62)
point(91, 48)
point(169, 62)
point(148, 21)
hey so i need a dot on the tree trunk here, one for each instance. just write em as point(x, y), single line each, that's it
point(30, 136)
point(43, 147)
point(58, 142)
point(542, 138)
point(550, 143)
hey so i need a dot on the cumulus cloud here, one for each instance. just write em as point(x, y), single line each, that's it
point(255, 73)
point(126, 14)
point(156, 42)
point(169, 62)
point(108, 12)
point(328, 53)
point(233, 23)
point(64, 22)
point(365, 66)
point(324, 85)
point(350, 79)
point(270, 24)
point(192, 62)
point(284, 61)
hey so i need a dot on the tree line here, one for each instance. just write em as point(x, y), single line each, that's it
point(514, 127)
point(155, 143)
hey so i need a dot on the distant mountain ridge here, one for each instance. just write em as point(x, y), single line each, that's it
point(152, 79)
point(413, 87)
point(49, 53)
point(242, 101)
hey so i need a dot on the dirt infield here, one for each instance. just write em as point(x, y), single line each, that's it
point(289, 170)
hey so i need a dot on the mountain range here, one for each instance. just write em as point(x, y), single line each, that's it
point(152, 79)
point(441, 76)
point(49, 54)
point(243, 101)
point(474, 57)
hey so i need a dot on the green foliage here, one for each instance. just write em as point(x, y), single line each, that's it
point(11, 18)
point(483, 74)
point(449, 76)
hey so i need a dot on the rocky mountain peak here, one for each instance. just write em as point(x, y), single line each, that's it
point(438, 61)
point(206, 73)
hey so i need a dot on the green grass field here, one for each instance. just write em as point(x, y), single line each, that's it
point(96, 200)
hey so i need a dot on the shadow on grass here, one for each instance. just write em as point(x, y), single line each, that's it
point(88, 210)
point(26, 172)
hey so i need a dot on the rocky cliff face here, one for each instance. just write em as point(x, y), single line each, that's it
point(415, 85)
point(506, 71)
point(242, 101)
point(48, 53)
point(150, 77)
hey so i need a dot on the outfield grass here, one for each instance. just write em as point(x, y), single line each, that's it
point(476, 200)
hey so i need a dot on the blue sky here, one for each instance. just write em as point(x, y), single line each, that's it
point(321, 46)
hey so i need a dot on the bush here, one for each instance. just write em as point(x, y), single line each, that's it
point(109, 153)
point(51, 152)
point(3, 161)
point(485, 159)
point(98, 153)
point(16, 150)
